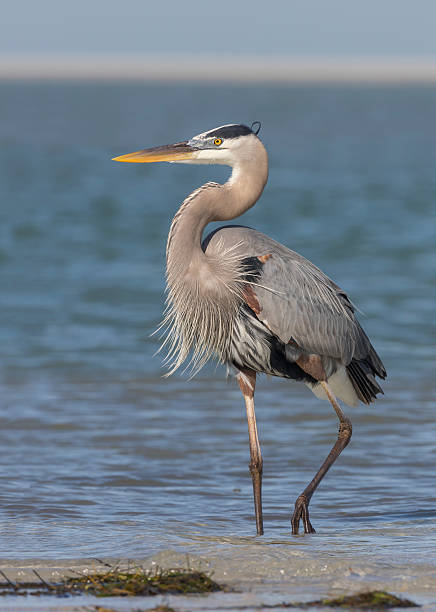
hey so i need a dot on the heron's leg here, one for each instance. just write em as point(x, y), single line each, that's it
point(302, 504)
point(247, 383)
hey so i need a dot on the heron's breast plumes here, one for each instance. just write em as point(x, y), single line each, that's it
point(203, 300)
point(204, 288)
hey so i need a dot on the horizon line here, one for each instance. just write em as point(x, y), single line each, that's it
point(210, 68)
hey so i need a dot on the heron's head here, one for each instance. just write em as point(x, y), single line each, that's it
point(229, 145)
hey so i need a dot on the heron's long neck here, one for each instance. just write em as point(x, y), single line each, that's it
point(204, 289)
point(212, 202)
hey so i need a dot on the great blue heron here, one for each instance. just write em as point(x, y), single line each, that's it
point(253, 303)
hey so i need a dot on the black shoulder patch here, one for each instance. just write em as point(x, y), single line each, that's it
point(252, 268)
point(230, 131)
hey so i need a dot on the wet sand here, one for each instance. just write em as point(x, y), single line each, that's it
point(254, 577)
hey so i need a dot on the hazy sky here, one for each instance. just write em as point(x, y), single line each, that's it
point(289, 27)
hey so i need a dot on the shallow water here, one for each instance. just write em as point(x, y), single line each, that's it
point(100, 455)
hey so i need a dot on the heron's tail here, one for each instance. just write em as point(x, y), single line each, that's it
point(362, 374)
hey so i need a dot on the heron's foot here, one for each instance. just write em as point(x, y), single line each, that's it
point(301, 511)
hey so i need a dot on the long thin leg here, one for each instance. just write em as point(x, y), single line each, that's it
point(247, 383)
point(301, 510)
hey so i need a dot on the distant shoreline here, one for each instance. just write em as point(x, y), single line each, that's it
point(232, 69)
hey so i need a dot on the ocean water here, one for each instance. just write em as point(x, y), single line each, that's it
point(100, 455)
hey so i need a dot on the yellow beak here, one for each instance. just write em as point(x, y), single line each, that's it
point(173, 152)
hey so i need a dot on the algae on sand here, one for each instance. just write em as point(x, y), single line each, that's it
point(141, 582)
point(115, 582)
point(156, 609)
point(366, 600)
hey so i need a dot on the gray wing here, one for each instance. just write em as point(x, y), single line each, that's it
point(297, 301)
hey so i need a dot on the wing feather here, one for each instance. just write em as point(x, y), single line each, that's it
point(298, 302)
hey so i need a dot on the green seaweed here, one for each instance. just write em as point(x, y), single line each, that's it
point(156, 609)
point(366, 600)
point(120, 583)
point(140, 582)
point(369, 600)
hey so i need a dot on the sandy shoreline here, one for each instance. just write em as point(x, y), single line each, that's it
point(257, 576)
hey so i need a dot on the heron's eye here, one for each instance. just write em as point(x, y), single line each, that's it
point(217, 141)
